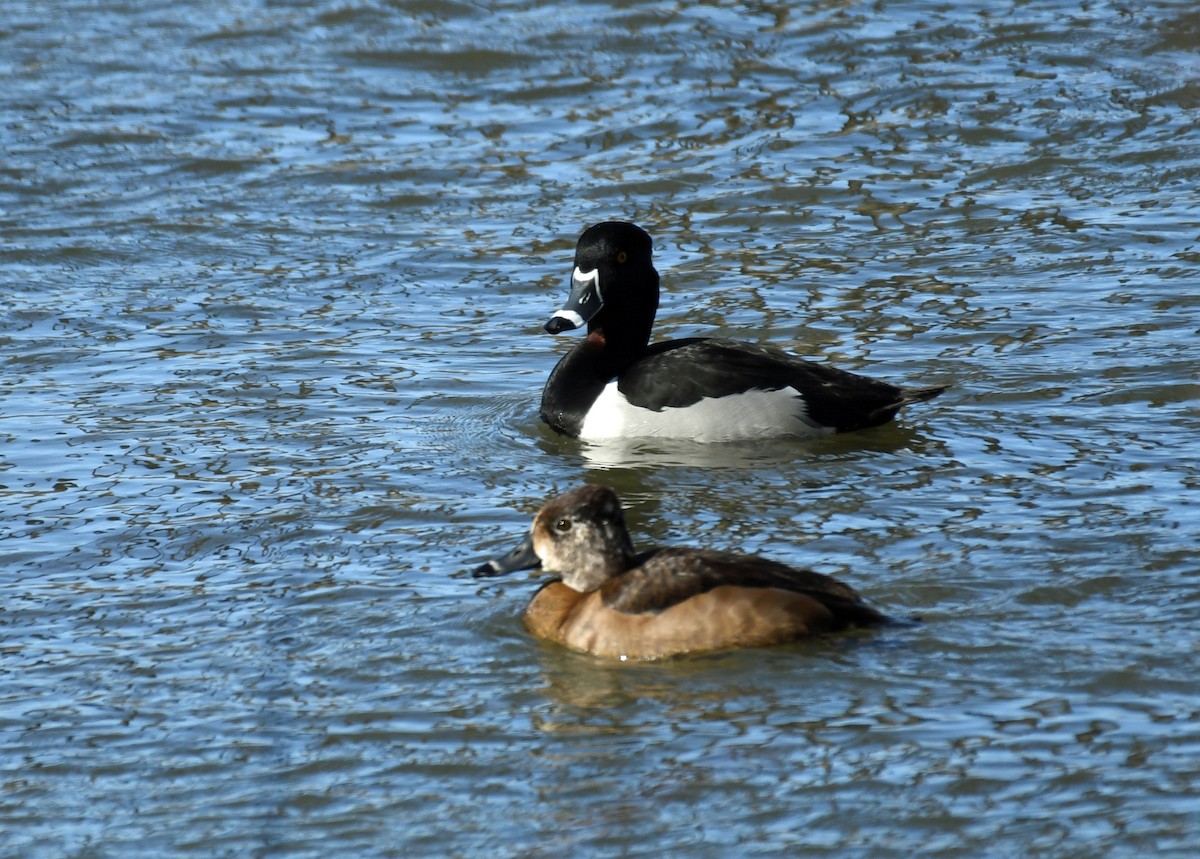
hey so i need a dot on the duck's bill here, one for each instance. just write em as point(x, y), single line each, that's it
point(521, 558)
point(582, 304)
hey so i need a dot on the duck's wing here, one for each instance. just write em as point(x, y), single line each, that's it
point(678, 373)
point(667, 577)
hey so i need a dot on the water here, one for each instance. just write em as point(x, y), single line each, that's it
point(273, 276)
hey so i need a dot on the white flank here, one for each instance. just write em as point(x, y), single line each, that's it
point(754, 414)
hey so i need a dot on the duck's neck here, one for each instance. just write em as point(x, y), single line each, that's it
point(604, 354)
point(574, 385)
point(617, 337)
point(618, 347)
point(622, 328)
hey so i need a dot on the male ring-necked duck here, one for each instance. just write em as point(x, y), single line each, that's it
point(615, 385)
point(612, 601)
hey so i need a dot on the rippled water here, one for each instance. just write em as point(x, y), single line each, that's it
point(272, 280)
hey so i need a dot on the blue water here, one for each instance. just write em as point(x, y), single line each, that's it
point(272, 277)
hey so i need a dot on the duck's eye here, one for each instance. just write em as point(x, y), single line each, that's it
point(622, 256)
point(562, 525)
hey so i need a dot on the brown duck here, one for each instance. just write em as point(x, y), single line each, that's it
point(612, 601)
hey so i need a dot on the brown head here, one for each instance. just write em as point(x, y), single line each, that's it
point(579, 536)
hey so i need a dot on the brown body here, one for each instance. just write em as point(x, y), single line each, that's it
point(726, 617)
point(614, 603)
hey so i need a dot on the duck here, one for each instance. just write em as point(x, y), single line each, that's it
point(615, 384)
point(611, 601)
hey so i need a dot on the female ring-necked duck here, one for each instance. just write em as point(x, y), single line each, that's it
point(615, 385)
point(612, 601)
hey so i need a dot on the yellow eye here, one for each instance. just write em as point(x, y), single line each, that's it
point(562, 525)
point(621, 256)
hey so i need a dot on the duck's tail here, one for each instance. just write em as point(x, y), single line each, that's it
point(918, 395)
point(907, 396)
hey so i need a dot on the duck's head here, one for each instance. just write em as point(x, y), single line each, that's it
point(579, 536)
point(614, 280)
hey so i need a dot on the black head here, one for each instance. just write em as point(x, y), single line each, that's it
point(614, 245)
point(614, 279)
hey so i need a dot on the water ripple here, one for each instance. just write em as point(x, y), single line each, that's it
point(274, 276)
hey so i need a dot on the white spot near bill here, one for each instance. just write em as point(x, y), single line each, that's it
point(570, 315)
